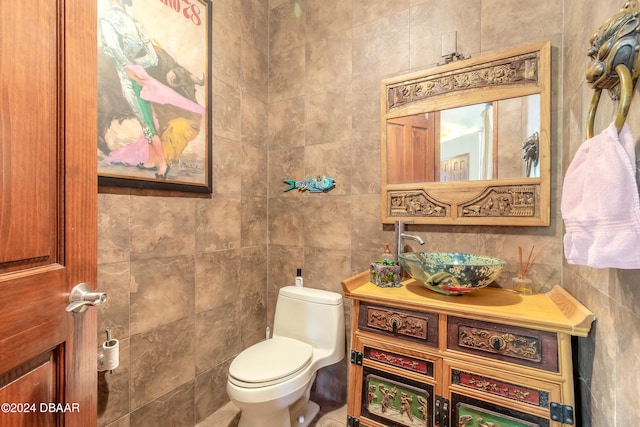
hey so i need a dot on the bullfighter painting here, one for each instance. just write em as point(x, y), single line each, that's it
point(153, 94)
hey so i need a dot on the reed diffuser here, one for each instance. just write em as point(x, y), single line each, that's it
point(523, 284)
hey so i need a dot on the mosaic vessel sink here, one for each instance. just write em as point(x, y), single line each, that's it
point(451, 273)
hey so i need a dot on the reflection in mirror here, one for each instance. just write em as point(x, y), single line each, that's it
point(467, 143)
point(460, 144)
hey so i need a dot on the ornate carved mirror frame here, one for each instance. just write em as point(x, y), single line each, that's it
point(513, 73)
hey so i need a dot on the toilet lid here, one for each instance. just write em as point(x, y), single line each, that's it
point(270, 360)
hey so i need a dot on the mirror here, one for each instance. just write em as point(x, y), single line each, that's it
point(468, 142)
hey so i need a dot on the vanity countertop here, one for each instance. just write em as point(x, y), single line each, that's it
point(556, 310)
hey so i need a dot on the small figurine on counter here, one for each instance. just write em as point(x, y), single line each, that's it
point(314, 185)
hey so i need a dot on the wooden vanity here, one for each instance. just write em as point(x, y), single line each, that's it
point(488, 358)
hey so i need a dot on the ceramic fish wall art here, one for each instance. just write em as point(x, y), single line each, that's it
point(313, 185)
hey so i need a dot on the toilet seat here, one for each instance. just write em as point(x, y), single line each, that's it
point(270, 362)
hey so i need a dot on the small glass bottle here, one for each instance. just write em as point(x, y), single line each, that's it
point(522, 285)
point(299, 278)
point(386, 255)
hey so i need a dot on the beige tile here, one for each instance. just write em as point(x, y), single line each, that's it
point(228, 13)
point(226, 416)
point(323, 19)
point(218, 223)
point(502, 28)
point(286, 221)
point(627, 410)
point(113, 228)
point(326, 268)
point(226, 115)
point(366, 11)
point(331, 414)
point(328, 62)
point(161, 291)
point(365, 171)
point(161, 360)
point(113, 279)
point(254, 222)
point(286, 124)
point(365, 112)
point(254, 118)
point(331, 410)
point(381, 47)
point(226, 55)
point(217, 279)
point(284, 260)
point(327, 220)
point(286, 74)
point(255, 65)
point(253, 268)
point(227, 155)
point(287, 28)
point(255, 23)
point(218, 336)
point(161, 227)
point(122, 422)
point(253, 318)
point(175, 409)
point(443, 18)
point(328, 119)
point(211, 397)
point(276, 3)
point(366, 228)
point(253, 172)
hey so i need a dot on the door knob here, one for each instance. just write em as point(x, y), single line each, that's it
point(81, 298)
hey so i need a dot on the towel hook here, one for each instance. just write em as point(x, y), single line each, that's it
point(615, 62)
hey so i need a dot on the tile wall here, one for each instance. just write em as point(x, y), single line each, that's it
point(609, 357)
point(186, 276)
point(192, 281)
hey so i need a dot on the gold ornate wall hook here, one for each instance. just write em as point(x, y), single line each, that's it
point(626, 92)
point(615, 62)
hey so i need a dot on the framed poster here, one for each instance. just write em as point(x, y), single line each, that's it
point(154, 94)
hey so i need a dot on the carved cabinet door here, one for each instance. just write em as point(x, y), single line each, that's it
point(392, 385)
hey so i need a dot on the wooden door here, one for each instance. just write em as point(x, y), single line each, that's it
point(48, 211)
point(412, 155)
point(455, 168)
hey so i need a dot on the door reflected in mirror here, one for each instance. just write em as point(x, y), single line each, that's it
point(491, 140)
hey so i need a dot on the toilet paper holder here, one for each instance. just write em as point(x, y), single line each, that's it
point(109, 356)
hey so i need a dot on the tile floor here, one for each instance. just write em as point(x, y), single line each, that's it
point(332, 414)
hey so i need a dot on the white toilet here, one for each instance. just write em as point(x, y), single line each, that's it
point(271, 381)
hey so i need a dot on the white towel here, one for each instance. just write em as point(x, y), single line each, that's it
point(600, 203)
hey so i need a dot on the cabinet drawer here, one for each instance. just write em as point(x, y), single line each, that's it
point(467, 411)
point(528, 347)
point(525, 394)
point(399, 360)
point(406, 324)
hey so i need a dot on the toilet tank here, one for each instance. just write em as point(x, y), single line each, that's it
point(314, 316)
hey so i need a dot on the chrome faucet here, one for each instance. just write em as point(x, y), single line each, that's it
point(400, 235)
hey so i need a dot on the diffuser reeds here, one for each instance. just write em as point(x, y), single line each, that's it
point(526, 266)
